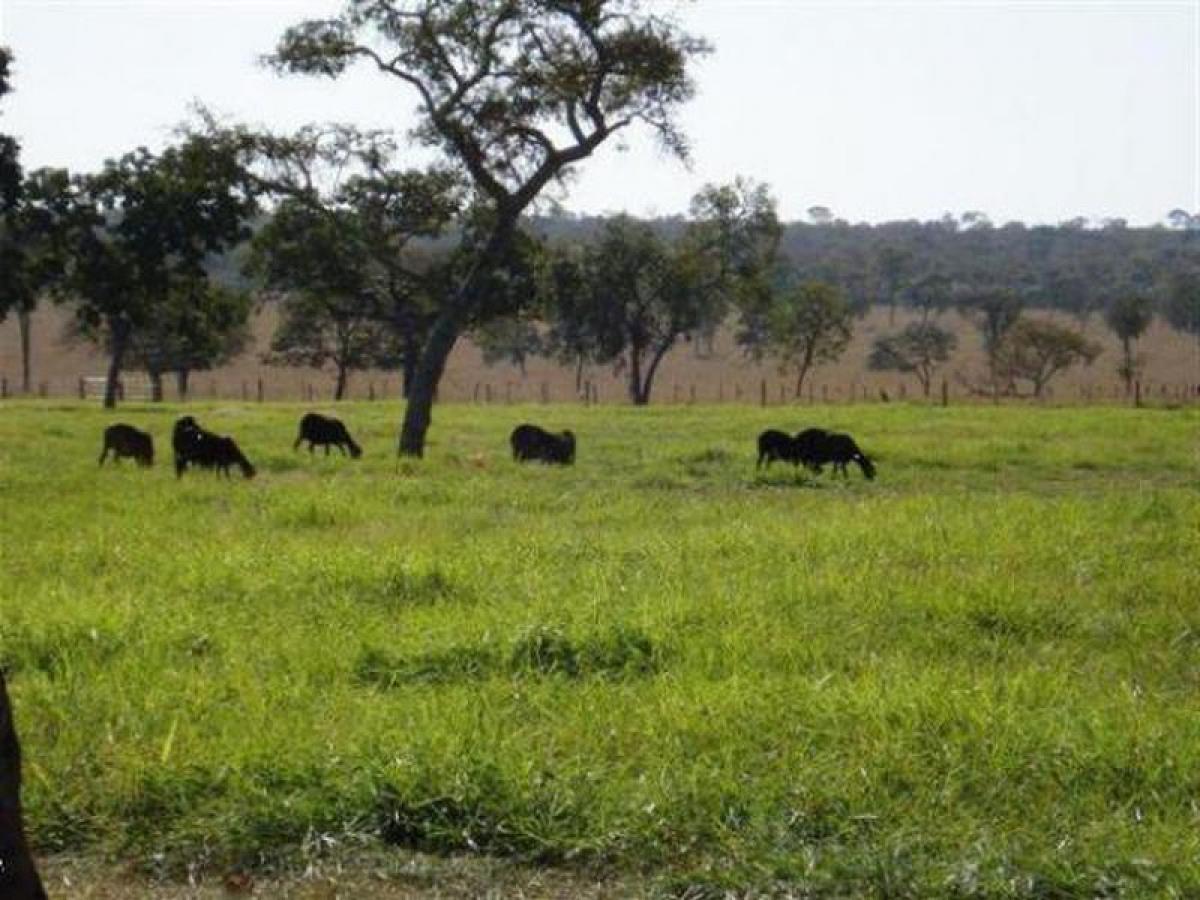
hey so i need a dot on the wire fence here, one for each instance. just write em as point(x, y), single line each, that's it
point(757, 392)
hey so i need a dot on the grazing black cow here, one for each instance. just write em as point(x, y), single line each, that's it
point(197, 447)
point(325, 430)
point(18, 875)
point(531, 443)
point(125, 440)
point(773, 445)
point(817, 447)
point(809, 446)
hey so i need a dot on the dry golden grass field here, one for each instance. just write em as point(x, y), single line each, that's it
point(686, 375)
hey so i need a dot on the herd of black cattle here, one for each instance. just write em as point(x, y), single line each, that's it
point(194, 446)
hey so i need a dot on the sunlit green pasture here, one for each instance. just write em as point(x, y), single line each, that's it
point(978, 675)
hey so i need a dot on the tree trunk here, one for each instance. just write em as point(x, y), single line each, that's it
point(418, 412)
point(578, 374)
point(120, 339)
point(339, 390)
point(412, 355)
point(181, 382)
point(1127, 373)
point(25, 326)
point(428, 372)
point(648, 384)
point(635, 377)
point(156, 387)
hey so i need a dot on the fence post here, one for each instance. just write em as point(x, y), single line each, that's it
point(1137, 393)
point(545, 392)
point(763, 392)
point(4, 387)
point(945, 392)
point(692, 395)
point(82, 389)
point(260, 390)
point(245, 392)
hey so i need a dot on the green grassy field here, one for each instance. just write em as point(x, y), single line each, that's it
point(978, 675)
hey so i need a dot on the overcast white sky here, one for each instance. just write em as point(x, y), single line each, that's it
point(1039, 111)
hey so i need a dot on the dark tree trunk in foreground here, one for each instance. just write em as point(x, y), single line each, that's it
point(120, 340)
point(181, 383)
point(156, 386)
point(423, 388)
point(18, 875)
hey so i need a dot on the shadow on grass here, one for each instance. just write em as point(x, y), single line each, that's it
point(615, 653)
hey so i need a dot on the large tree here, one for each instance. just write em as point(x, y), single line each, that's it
point(142, 227)
point(512, 93)
point(634, 293)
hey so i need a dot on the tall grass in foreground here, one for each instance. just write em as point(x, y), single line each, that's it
point(975, 676)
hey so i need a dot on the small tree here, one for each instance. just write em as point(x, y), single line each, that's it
point(920, 348)
point(995, 310)
point(512, 340)
point(319, 329)
point(571, 335)
point(808, 325)
point(202, 325)
point(1036, 350)
point(1129, 316)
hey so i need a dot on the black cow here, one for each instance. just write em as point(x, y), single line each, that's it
point(125, 440)
point(809, 447)
point(18, 875)
point(817, 447)
point(197, 447)
point(325, 430)
point(531, 443)
point(773, 445)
